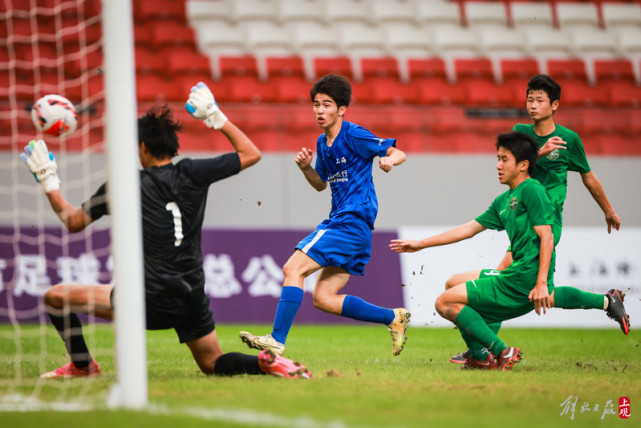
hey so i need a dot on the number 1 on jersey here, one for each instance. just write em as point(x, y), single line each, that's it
point(178, 222)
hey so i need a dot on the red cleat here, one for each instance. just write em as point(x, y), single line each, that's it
point(275, 365)
point(508, 358)
point(489, 363)
point(70, 370)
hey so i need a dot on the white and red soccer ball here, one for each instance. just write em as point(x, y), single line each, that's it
point(54, 115)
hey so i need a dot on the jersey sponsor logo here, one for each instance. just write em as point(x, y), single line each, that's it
point(553, 155)
point(513, 203)
point(339, 177)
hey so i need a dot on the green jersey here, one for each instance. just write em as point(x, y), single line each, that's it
point(517, 212)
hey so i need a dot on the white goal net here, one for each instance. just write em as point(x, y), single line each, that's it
point(50, 47)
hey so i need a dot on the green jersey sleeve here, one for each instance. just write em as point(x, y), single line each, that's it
point(491, 217)
point(577, 160)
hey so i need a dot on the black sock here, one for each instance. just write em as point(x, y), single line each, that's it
point(70, 330)
point(235, 363)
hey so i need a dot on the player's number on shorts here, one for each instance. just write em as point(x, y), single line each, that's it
point(178, 222)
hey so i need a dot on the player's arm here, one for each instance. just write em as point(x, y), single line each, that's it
point(459, 233)
point(506, 261)
point(202, 105)
point(539, 295)
point(43, 166)
point(73, 218)
point(304, 161)
point(246, 149)
point(393, 157)
point(592, 183)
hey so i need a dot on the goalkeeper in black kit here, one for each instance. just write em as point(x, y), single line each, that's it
point(173, 198)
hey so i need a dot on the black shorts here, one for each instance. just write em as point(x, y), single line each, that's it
point(188, 314)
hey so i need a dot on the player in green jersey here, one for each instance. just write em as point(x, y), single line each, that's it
point(560, 151)
point(526, 214)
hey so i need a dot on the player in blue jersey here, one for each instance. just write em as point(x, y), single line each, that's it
point(341, 245)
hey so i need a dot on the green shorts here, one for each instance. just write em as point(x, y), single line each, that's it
point(496, 297)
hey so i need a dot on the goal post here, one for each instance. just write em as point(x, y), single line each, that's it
point(130, 390)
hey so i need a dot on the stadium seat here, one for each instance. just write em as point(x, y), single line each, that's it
point(221, 37)
point(173, 33)
point(577, 16)
point(244, 65)
point(207, 12)
point(250, 12)
point(408, 42)
point(622, 93)
point(391, 16)
point(186, 60)
point(618, 16)
point(473, 68)
point(379, 67)
point(520, 69)
point(148, 62)
point(426, 68)
point(307, 44)
point(346, 13)
point(143, 33)
point(579, 93)
point(155, 88)
point(287, 75)
point(455, 41)
point(183, 84)
point(299, 13)
point(549, 43)
point(248, 89)
point(438, 92)
point(613, 69)
point(594, 43)
point(501, 42)
point(437, 14)
point(159, 9)
point(526, 14)
point(618, 145)
point(567, 69)
point(268, 39)
point(485, 14)
point(336, 65)
point(630, 42)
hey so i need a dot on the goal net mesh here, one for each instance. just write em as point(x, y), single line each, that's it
point(49, 47)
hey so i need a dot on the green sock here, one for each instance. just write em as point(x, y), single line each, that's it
point(573, 298)
point(477, 350)
point(469, 321)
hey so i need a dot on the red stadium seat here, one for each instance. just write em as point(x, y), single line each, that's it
point(622, 93)
point(159, 9)
point(155, 88)
point(284, 66)
point(336, 65)
point(248, 89)
point(518, 69)
point(238, 66)
point(438, 92)
point(187, 61)
point(485, 93)
point(173, 33)
point(473, 68)
point(567, 69)
point(148, 62)
point(293, 89)
point(613, 69)
point(379, 67)
point(426, 68)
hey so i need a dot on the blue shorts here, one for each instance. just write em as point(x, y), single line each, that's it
point(344, 242)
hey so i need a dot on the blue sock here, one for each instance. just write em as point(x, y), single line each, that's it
point(358, 309)
point(290, 300)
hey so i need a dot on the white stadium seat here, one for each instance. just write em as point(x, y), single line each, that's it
point(618, 16)
point(485, 14)
point(577, 15)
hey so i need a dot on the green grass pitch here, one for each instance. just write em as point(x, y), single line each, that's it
point(356, 381)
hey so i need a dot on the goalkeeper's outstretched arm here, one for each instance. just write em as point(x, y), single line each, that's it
point(74, 218)
point(42, 165)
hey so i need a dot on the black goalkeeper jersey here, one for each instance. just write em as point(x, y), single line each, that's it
point(173, 200)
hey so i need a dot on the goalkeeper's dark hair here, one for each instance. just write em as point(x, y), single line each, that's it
point(336, 87)
point(543, 82)
point(157, 129)
point(522, 146)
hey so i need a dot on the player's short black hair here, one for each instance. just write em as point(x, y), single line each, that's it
point(543, 82)
point(522, 146)
point(157, 129)
point(337, 87)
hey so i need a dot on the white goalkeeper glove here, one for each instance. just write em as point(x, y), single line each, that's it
point(202, 105)
point(42, 164)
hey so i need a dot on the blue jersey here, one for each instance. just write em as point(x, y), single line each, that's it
point(347, 165)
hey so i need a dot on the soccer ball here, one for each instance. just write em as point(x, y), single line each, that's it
point(54, 115)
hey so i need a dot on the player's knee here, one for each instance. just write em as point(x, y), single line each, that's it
point(441, 305)
point(320, 301)
point(451, 282)
point(54, 296)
